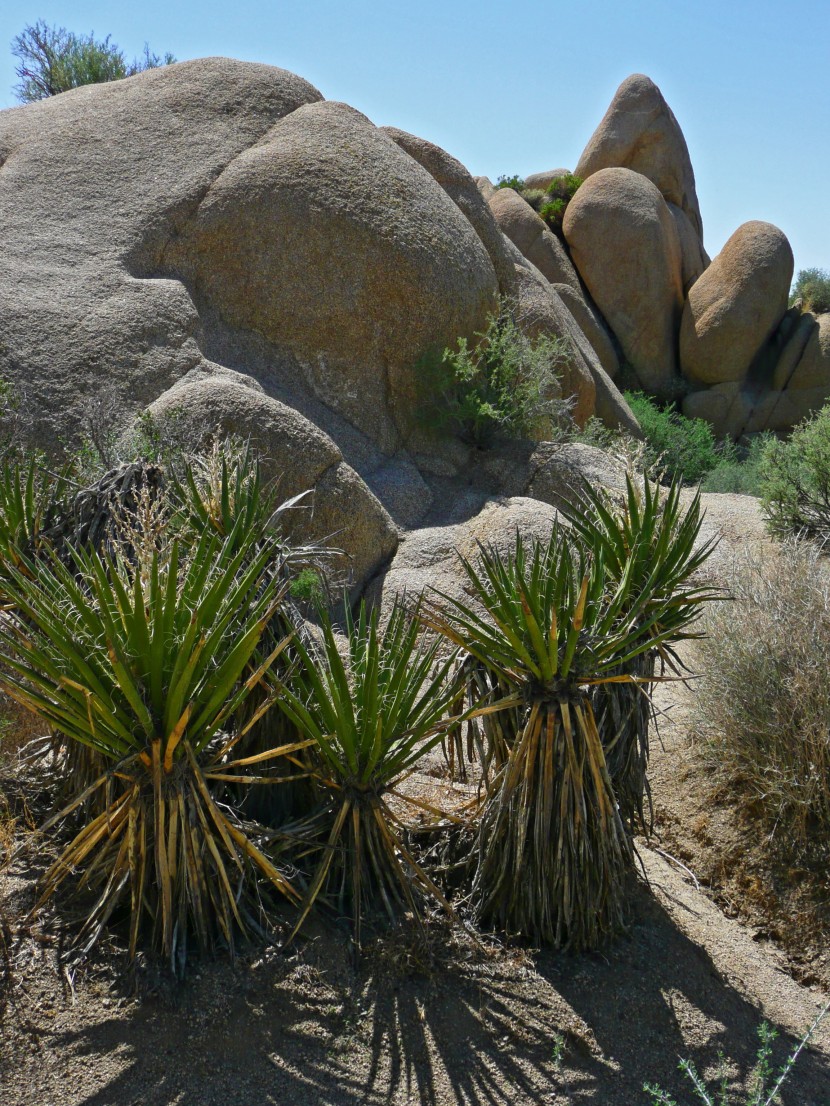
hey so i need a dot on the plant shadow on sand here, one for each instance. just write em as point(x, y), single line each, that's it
point(453, 1025)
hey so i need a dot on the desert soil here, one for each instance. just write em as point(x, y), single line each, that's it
point(703, 962)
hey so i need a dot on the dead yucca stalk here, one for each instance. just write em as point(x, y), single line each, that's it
point(552, 851)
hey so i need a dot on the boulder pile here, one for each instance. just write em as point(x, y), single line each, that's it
point(714, 335)
point(214, 242)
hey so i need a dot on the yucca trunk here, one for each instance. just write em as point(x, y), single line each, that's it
point(623, 713)
point(552, 851)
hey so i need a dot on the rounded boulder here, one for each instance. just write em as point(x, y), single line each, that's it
point(624, 243)
point(734, 308)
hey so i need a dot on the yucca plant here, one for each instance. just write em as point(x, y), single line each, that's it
point(552, 850)
point(650, 549)
point(30, 498)
point(224, 491)
point(371, 716)
point(146, 661)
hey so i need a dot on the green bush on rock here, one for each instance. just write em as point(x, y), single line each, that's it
point(503, 385)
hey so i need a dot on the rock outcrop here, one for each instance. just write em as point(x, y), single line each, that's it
point(639, 132)
point(624, 243)
point(734, 308)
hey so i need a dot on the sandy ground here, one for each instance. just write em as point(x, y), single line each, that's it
point(464, 1024)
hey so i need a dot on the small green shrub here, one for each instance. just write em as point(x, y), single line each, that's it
point(679, 448)
point(505, 385)
point(738, 472)
point(795, 487)
point(812, 289)
point(765, 1084)
point(558, 195)
point(307, 586)
point(514, 182)
point(764, 706)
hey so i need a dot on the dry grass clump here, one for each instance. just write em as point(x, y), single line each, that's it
point(765, 701)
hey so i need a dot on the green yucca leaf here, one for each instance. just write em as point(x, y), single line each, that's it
point(372, 716)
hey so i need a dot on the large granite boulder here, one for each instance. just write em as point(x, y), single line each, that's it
point(328, 239)
point(639, 132)
point(592, 325)
point(805, 360)
point(342, 512)
point(542, 180)
point(624, 243)
point(736, 305)
point(141, 218)
point(462, 189)
point(694, 259)
point(87, 180)
point(532, 237)
point(540, 310)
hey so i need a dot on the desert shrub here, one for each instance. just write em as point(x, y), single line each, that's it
point(795, 486)
point(53, 60)
point(505, 384)
point(765, 701)
point(740, 471)
point(765, 1083)
point(811, 289)
point(514, 182)
point(678, 447)
point(558, 195)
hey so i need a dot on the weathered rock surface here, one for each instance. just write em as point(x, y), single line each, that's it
point(540, 310)
point(428, 558)
point(342, 511)
point(542, 180)
point(90, 178)
point(735, 409)
point(456, 181)
point(560, 473)
point(592, 326)
point(805, 360)
point(624, 243)
point(532, 237)
point(694, 259)
point(734, 308)
point(329, 239)
point(639, 132)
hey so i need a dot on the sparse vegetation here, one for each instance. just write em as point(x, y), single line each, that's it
point(556, 198)
point(765, 1085)
point(765, 699)
point(52, 60)
point(795, 489)
point(811, 290)
point(680, 448)
point(503, 384)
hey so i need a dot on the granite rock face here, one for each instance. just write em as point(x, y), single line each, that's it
point(624, 243)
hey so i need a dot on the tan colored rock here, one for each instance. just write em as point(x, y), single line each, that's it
point(330, 240)
point(733, 409)
point(694, 259)
point(428, 558)
point(485, 187)
point(94, 182)
point(342, 512)
point(561, 473)
point(541, 311)
point(532, 237)
point(624, 244)
point(592, 326)
point(734, 308)
point(805, 361)
point(542, 180)
point(639, 132)
point(464, 193)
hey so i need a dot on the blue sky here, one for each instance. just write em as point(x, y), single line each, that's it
point(516, 88)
